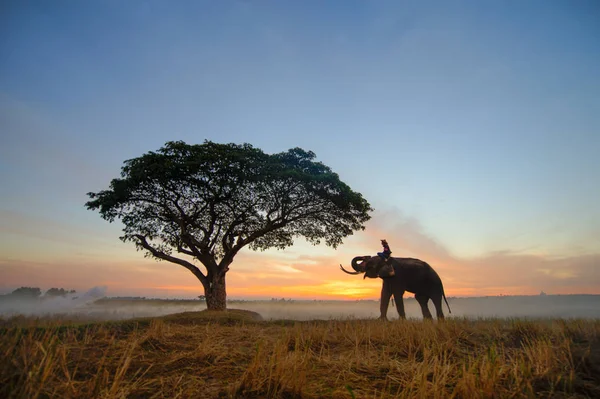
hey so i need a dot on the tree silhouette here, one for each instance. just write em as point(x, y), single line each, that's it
point(203, 203)
point(58, 292)
point(27, 292)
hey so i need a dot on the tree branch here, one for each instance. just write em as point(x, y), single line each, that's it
point(195, 271)
point(184, 251)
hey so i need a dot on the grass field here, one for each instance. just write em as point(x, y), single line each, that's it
point(208, 355)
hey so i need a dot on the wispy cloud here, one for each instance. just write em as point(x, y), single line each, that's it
point(304, 271)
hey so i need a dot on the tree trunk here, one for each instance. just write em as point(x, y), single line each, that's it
point(216, 296)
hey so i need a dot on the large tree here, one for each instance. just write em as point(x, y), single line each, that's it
point(201, 204)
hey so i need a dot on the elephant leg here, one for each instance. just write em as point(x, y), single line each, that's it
point(437, 302)
point(398, 294)
point(423, 299)
point(386, 294)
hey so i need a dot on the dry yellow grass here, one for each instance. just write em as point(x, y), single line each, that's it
point(202, 355)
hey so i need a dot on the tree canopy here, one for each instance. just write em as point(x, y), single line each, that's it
point(208, 201)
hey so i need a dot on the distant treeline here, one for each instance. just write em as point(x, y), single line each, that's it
point(148, 301)
point(201, 299)
point(158, 301)
point(114, 299)
point(35, 292)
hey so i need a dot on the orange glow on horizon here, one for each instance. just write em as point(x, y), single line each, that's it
point(333, 289)
point(340, 290)
point(302, 272)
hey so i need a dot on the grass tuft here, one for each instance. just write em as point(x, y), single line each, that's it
point(236, 355)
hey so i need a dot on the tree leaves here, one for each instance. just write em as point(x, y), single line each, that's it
point(210, 200)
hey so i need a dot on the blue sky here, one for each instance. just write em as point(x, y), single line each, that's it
point(474, 124)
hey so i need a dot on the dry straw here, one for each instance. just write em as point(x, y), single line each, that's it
point(202, 355)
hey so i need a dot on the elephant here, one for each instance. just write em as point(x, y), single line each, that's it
point(409, 274)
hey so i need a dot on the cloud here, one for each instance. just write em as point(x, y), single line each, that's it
point(305, 271)
point(32, 225)
point(494, 273)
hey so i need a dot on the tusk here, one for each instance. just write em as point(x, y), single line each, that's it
point(346, 271)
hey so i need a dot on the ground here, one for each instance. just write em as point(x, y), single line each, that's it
point(237, 354)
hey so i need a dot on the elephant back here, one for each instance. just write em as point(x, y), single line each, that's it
point(412, 263)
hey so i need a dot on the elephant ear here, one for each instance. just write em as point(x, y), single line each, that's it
point(386, 271)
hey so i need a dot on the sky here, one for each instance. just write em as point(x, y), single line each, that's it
point(471, 127)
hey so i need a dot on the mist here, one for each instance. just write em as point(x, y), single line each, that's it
point(95, 305)
point(560, 306)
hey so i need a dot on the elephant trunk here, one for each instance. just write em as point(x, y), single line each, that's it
point(355, 265)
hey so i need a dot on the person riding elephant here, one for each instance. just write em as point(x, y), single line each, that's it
point(385, 255)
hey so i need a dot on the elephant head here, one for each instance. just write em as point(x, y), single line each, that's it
point(371, 266)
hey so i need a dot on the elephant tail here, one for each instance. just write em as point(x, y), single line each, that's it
point(445, 300)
